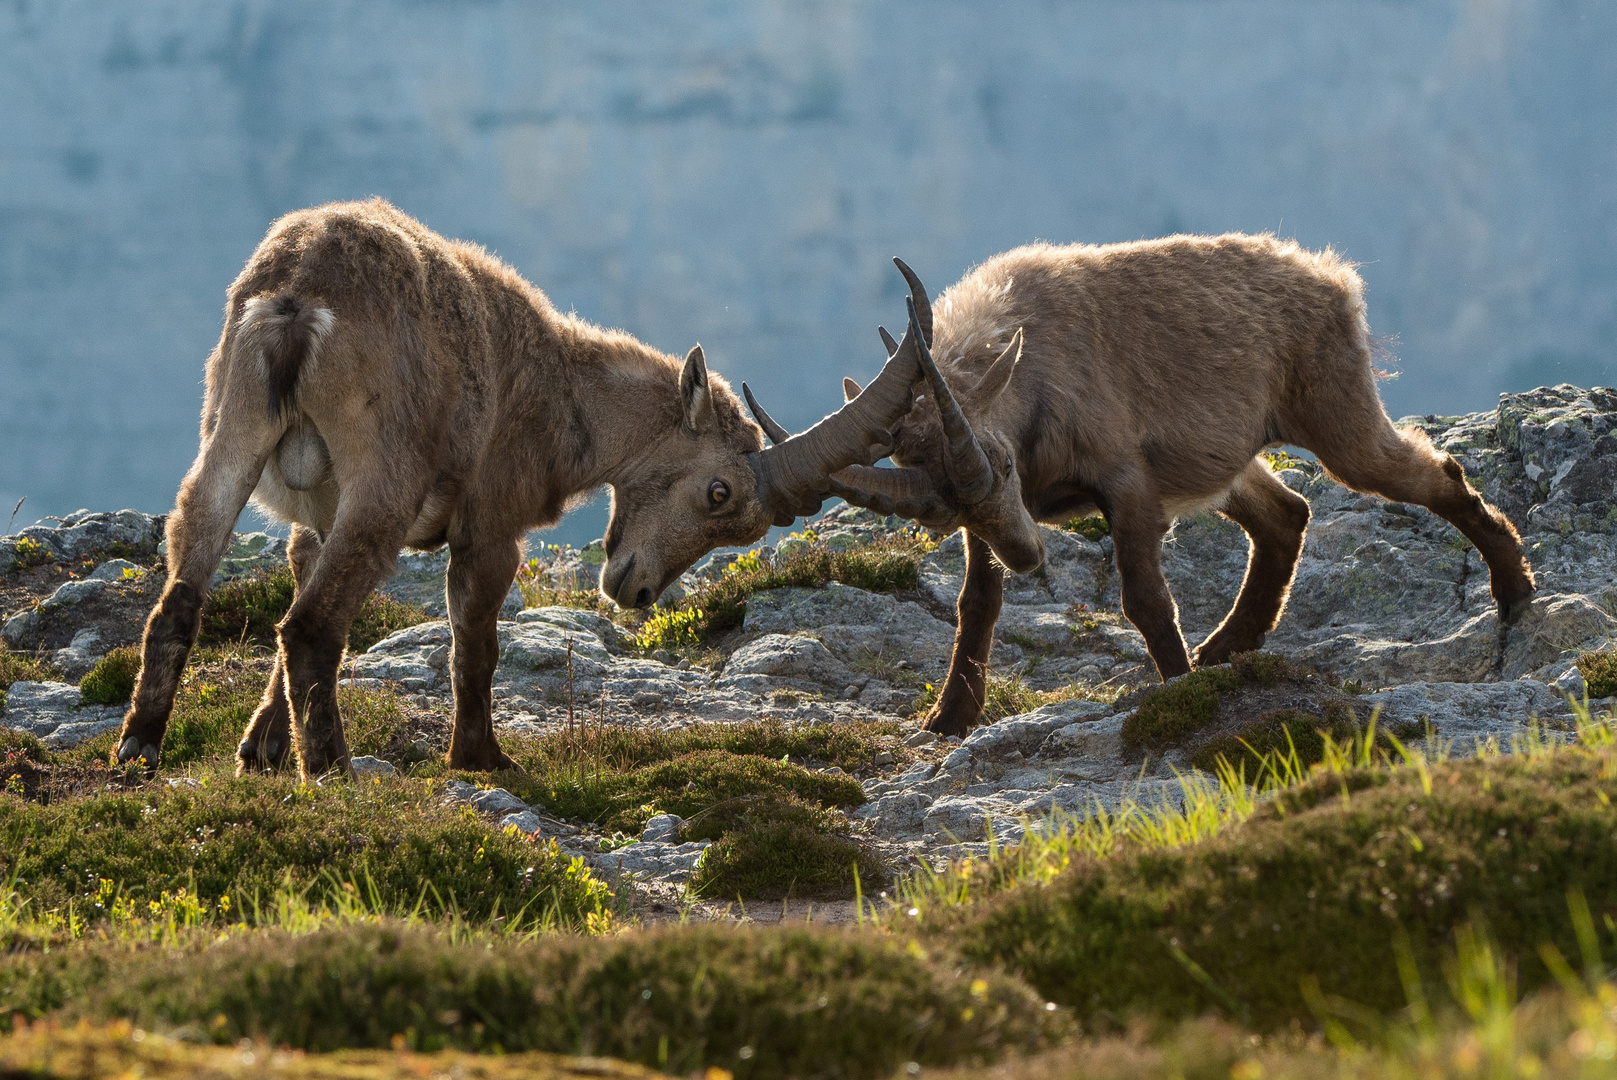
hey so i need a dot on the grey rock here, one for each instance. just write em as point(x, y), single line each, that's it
point(459, 791)
point(80, 654)
point(644, 861)
point(497, 801)
point(920, 738)
point(1465, 713)
point(1025, 734)
point(662, 828)
point(73, 592)
point(248, 553)
point(416, 657)
point(92, 722)
point(524, 821)
point(51, 711)
point(854, 625)
point(369, 765)
point(115, 570)
point(781, 661)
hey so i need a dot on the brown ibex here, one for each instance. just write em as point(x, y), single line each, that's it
point(1141, 381)
point(382, 387)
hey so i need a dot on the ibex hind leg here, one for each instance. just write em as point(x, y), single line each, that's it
point(1138, 523)
point(480, 575)
point(1275, 519)
point(268, 740)
point(359, 554)
point(960, 704)
point(198, 531)
point(1371, 455)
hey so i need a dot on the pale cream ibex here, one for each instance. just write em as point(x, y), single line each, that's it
point(1142, 381)
point(382, 387)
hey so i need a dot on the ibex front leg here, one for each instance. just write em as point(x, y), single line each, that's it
point(965, 690)
point(480, 575)
point(1134, 512)
point(1275, 519)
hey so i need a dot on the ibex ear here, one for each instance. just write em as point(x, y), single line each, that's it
point(999, 376)
point(694, 394)
point(850, 389)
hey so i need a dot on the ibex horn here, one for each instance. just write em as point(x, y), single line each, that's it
point(776, 433)
point(923, 306)
point(905, 492)
point(964, 459)
point(793, 476)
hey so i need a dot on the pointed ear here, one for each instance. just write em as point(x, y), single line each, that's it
point(850, 389)
point(999, 375)
point(693, 392)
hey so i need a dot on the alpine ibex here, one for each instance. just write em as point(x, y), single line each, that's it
point(382, 387)
point(1141, 381)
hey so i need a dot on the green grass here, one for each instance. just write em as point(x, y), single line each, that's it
point(1599, 671)
point(247, 609)
point(1232, 902)
point(1170, 713)
point(1090, 528)
point(112, 680)
point(15, 667)
point(760, 1002)
point(770, 847)
point(1295, 732)
point(246, 838)
point(1008, 695)
point(889, 564)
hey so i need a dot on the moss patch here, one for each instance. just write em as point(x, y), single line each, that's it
point(1599, 671)
point(112, 680)
point(770, 847)
point(1170, 714)
point(1293, 731)
point(761, 1002)
point(247, 609)
point(890, 564)
point(1318, 883)
point(1090, 528)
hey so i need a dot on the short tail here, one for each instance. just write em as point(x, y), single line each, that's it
point(284, 331)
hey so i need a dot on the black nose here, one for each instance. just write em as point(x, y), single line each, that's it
point(643, 598)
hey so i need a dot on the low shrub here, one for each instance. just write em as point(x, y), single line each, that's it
point(247, 838)
point(247, 609)
point(770, 847)
point(112, 680)
point(1090, 528)
point(1599, 671)
point(1316, 883)
point(1168, 714)
point(889, 564)
point(15, 667)
point(756, 1001)
point(1295, 733)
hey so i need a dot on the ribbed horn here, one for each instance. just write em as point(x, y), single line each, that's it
point(793, 477)
point(964, 460)
point(776, 433)
point(923, 306)
point(887, 340)
point(905, 492)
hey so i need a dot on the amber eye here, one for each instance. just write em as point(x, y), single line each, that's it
point(717, 492)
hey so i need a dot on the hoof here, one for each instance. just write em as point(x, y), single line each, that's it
point(253, 757)
point(132, 748)
point(1511, 611)
point(499, 761)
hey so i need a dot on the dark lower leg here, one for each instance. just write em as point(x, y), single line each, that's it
point(1510, 577)
point(479, 578)
point(268, 739)
point(170, 633)
point(1275, 519)
point(1137, 532)
point(965, 689)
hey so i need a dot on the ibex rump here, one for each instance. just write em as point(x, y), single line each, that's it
point(1141, 381)
point(382, 387)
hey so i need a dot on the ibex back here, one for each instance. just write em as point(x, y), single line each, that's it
point(381, 387)
point(1141, 381)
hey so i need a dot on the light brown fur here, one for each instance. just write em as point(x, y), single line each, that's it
point(1152, 375)
point(455, 405)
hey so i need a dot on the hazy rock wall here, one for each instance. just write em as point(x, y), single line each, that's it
point(739, 173)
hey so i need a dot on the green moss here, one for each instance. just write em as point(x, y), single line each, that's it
point(1090, 528)
point(1187, 705)
point(247, 609)
point(769, 847)
point(1599, 671)
point(1284, 730)
point(1318, 883)
point(889, 564)
point(763, 1002)
point(112, 680)
point(244, 838)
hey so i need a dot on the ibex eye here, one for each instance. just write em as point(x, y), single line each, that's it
point(717, 492)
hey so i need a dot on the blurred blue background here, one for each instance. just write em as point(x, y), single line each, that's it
point(738, 172)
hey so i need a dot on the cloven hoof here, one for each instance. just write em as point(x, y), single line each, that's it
point(133, 748)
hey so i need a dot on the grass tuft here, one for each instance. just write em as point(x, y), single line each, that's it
point(1169, 714)
point(889, 564)
point(247, 609)
point(1090, 528)
point(1599, 671)
point(770, 847)
point(112, 680)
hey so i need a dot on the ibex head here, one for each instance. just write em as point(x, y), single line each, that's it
point(708, 482)
point(955, 473)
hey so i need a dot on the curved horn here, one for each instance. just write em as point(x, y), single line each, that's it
point(793, 477)
point(923, 306)
point(905, 492)
point(776, 433)
point(850, 389)
point(887, 340)
point(964, 459)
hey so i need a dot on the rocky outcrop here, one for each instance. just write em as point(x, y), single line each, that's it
point(1389, 600)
